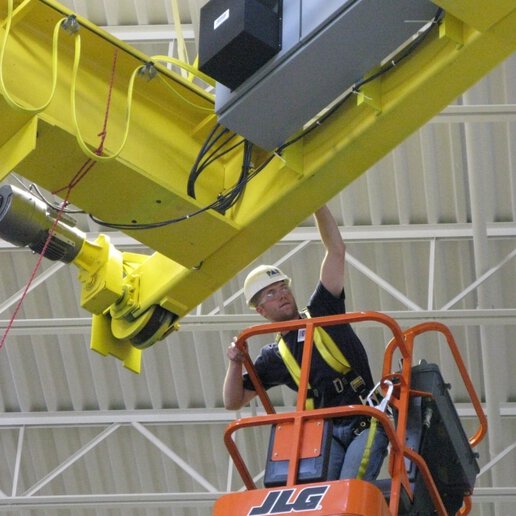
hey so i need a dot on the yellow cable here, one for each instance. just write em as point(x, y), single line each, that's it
point(181, 46)
point(188, 67)
point(182, 97)
point(55, 46)
point(80, 140)
point(196, 66)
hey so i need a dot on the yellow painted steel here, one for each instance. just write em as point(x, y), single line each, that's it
point(19, 143)
point(103, 342)
point(166, 130)
point(168, 120)
point(100, 273)
point(481, 16)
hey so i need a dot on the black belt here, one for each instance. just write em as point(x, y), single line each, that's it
point(363, 423)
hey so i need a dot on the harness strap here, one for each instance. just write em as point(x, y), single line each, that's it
point(293, 368)
point(327, 348)
point(367, 450)
point(330, 353)
point(334, 357)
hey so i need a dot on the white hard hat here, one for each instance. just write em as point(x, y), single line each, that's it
point(261, 277)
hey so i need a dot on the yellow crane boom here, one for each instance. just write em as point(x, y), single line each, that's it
point(58, 72)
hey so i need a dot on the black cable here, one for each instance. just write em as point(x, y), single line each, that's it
point(210, 141)
point(39, 194)
point(199, 157)
point(33, 189)
point(216, 154)
point(223, 202)
point(238, 190)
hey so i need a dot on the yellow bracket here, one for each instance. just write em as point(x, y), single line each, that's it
point(292, 158)
point(478, 14)
point(124, 319)
point(453, 29)
point(370, 93)
point(103, 342)
point(101, 274)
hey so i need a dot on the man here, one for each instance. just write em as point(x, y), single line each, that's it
point(267, 290)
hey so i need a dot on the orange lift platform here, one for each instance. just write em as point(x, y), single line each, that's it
point(432, 467)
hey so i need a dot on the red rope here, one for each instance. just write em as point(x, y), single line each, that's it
point(103, 133)
point(80, 174)
point(89, 163)
point(32, 277)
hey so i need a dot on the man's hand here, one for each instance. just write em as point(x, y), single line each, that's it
point(234, 354)
point(235, 396)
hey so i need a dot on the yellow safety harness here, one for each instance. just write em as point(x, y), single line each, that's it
point(328, 350)
point(334, 357)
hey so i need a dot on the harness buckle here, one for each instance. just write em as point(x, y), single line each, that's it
point(357, 384)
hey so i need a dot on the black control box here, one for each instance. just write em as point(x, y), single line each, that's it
point(237, 37)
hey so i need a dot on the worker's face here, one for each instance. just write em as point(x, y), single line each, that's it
point(276, 303)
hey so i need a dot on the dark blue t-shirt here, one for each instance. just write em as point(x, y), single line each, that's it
point(328, 386)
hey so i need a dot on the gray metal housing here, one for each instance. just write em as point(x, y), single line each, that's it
point(327, 47)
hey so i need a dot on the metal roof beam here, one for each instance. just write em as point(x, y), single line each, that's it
point(72, 459)
point(374, 233)
point(35, 283)
point(149, 33)
point(81, 325)
point(476, 113)
point(215, 416)
point(171, 454)
point(498, 458)
point(154, 500)
point(124, 500)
